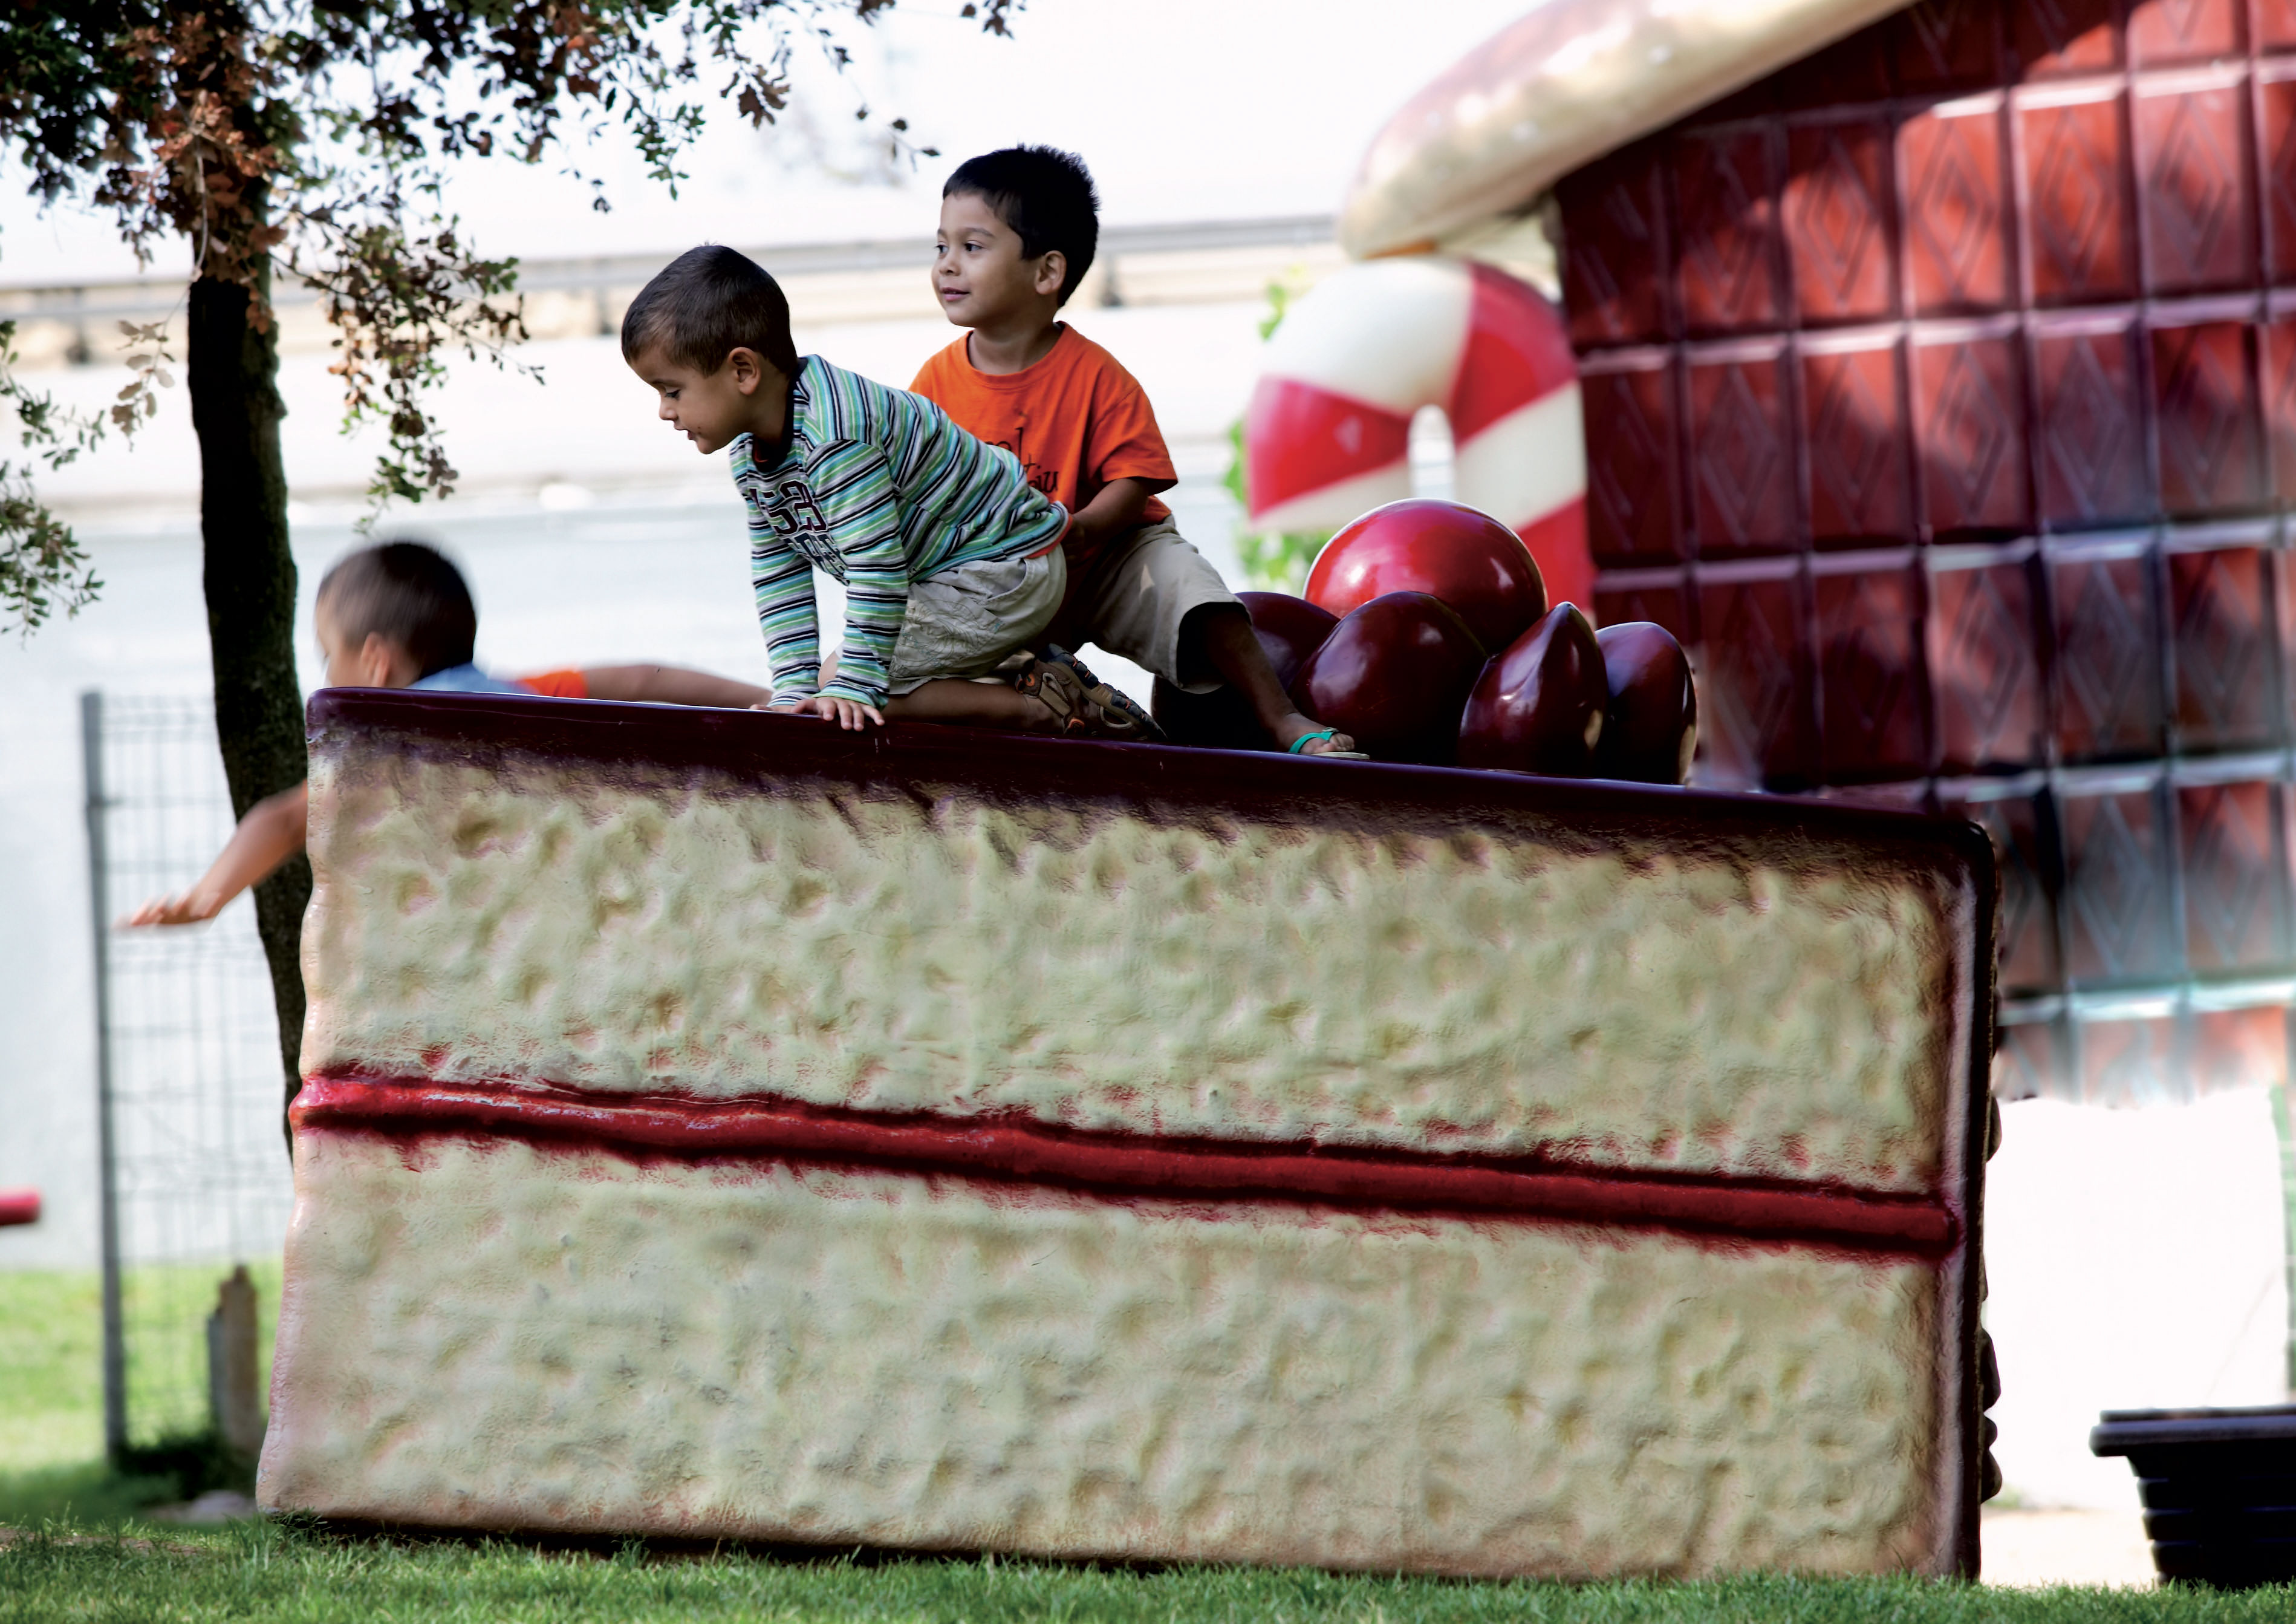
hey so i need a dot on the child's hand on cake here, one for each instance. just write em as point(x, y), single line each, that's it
point(846, 713)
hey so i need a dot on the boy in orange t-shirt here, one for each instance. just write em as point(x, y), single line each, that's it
point(1018, 229)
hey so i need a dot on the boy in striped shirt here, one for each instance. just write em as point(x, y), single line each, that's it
point(951, 561)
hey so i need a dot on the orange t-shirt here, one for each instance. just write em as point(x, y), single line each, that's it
point(1077, 420)
point(567, 684)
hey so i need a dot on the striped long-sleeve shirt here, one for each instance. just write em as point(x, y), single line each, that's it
point(878, 488)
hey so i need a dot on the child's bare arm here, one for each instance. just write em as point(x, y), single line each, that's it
point(672, 685)
point(272, 832)
point(1118, 508)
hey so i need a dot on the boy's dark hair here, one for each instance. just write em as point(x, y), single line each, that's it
point(408, 593)
point(1046, 195)
point(707, 303)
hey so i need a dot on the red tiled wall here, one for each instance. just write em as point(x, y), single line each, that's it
point(1941, 392)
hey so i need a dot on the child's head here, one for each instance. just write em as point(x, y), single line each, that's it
point(1018, 231)
point(711, 333)
point(392, 614)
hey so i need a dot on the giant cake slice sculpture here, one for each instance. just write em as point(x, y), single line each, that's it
point(717, 1125)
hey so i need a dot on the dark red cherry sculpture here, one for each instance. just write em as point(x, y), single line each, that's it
point(1537, 707)
point(1289, 630)
point(1461, 555)
point(1652, 731)
point(1395, 673)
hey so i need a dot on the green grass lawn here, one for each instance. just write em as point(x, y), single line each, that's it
point(266, 1573)
point(51, 1406)
point(51, 1379)
point(51, 1387)
point(50, 1342)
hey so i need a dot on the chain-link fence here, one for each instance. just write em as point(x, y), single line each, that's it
point(195, 1176)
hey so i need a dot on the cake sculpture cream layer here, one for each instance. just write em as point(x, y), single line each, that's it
point(719, 1125)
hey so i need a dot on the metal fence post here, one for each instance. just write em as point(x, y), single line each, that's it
point(115, 1346)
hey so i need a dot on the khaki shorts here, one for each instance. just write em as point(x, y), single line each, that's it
point(967, 621)
point(1134, 596)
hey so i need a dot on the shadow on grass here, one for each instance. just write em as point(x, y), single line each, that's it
point(86, 1494)
point(96, 1494)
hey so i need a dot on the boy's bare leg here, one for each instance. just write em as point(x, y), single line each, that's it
point(1218, 638)
point(952, 701)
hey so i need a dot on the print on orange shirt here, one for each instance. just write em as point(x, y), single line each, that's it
point(1076, 420)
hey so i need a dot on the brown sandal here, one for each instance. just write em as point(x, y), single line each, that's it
point(1085, 707)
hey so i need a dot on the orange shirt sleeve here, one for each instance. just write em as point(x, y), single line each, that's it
point(1123, 440)
point(566, 684)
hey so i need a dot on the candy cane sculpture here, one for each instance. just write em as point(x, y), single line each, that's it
point(1327, 434)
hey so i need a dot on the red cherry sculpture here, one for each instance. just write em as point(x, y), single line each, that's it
point(1289, 630)
point(1459, 554)
point(1395, 674)
point(1652, 731)
point(1538, 707)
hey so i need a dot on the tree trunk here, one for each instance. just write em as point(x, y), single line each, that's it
point(249, 582)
